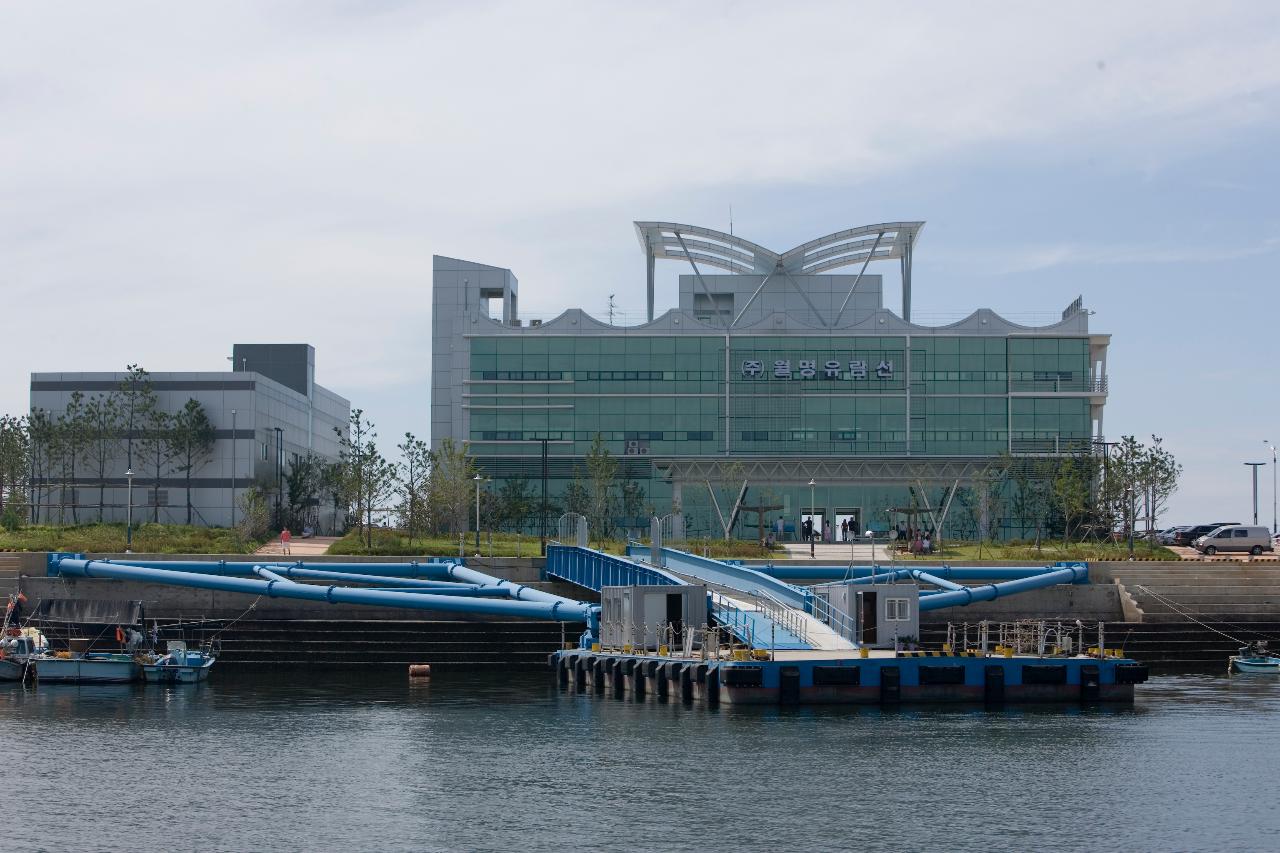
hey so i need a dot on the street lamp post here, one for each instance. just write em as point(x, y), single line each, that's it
point(1275, 528)
point(478, 480)
point(1255, 466)
point(128, 529)
point(811, 518)
point(279, 475)
point(1131, 511)
point(233, 467)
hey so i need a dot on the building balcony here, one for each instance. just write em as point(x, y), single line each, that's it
point(1058, 385)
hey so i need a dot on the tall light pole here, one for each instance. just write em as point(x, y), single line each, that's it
point(1255, 466)
point(1275, 528)
point(280, 476)
point(233, 467)
point(1130, 512)
point(478, 479)
point(128, 530)
point(811, 518)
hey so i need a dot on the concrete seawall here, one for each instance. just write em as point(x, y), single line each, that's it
point(1177, 613)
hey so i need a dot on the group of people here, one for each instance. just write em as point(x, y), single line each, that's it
point(914, 541)
point(809, 533)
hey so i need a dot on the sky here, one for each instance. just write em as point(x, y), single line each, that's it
point(176, 178)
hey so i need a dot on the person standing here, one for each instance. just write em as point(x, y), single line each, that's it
point(285, 538)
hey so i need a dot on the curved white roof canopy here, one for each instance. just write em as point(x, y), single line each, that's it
point(850, 247)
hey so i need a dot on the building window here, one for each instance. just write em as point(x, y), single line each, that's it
point(897, 609)
point(265, 451)
point(701, 435)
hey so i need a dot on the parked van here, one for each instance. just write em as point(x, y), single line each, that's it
point(1235, 537)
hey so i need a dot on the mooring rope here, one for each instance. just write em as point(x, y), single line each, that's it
point(1182, 611)
point(235, 620)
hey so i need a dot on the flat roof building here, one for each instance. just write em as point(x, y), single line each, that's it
point(267, 412)
point(775, 370)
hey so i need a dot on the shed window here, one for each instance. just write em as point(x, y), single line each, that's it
point(897, 609)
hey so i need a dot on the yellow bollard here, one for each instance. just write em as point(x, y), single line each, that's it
point(864, 652)
point(663, 651)
point(1008, 652)
point(595, 647)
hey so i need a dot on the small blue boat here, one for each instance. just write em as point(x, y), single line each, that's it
point(1255, 658)
point(179, 666)
point(17, 647)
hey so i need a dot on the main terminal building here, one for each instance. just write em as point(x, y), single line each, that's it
point(780, 383)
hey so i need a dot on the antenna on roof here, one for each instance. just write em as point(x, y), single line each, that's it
point(730, 220)
point(611, 295)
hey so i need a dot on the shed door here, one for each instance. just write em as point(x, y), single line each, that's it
point(675, 613)
point(867, 618)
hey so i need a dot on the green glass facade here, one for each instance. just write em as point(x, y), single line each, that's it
point(651, 397)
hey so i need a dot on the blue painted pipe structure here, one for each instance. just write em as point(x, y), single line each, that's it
point(221, 567)
point(969, 594)
point(277, 586)
point(293, 572)
point(862, 574)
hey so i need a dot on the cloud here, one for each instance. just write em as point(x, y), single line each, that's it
point(175, 178)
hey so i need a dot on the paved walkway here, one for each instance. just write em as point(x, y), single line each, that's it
point(313, 547)
point(836, 552)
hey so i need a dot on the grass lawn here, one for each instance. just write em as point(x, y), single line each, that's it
point(1051, 552)
point(108, 538)
point(394, 543)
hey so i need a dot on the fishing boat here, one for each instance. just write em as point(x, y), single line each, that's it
point(17, 647)
point(1255, 658)
point(179, 665)
point(85, 668)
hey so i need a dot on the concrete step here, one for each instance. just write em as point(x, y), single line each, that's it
point(9, 565)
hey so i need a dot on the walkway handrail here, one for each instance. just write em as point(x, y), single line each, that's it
point(842, 623)
point(786, 616)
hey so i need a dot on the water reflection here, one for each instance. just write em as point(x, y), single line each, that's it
point(362, 758)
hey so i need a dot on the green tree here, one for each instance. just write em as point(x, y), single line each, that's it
point(254, 521)
point(369, 478)
point(103, 426)
point(602, 475)
point(451, 486)
point(577, 497)
point(15, 449)
point(1072, 485)
point(515, 502)
point(631, 500)
point(72, 436)
point(156, 451)
point(333, 486)
point(413, 478)
point(137, 400)
point(303, 483)
point(42, 450)
point(192, 441)
point(1158, 475)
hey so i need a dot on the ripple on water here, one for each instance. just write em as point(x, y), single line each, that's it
point(305, 759)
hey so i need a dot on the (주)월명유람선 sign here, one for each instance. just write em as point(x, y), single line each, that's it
point(810, 369)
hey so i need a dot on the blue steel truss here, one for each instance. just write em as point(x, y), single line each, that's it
point(595, 570)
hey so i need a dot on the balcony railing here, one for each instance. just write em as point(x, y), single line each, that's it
point(1059, 386)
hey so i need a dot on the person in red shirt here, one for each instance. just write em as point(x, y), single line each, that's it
point(285, 538)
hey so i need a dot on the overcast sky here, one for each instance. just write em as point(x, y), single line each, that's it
point(175, 179)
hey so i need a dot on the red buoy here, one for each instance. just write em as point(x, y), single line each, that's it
point(419, 670)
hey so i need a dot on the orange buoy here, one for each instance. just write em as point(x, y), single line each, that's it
point(419, 670)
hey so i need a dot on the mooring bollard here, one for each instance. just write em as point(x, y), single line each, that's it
point(419, 670)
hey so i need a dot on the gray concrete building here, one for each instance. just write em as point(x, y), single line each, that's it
point(267, 411)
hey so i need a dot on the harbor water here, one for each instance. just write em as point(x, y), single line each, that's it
point(314, 759)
